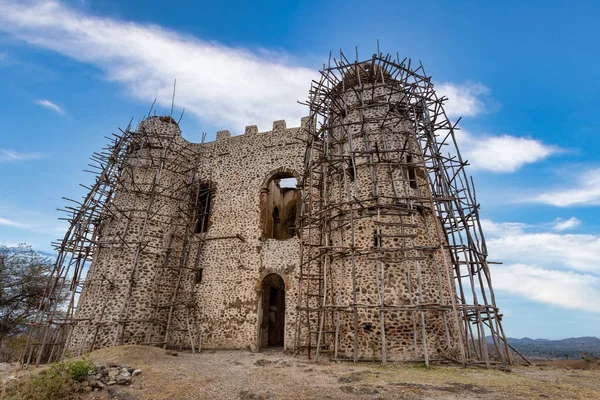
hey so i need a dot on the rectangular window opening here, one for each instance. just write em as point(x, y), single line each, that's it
point(198, 276)
point(203, 210)
point(377, 238)
point(412, 176)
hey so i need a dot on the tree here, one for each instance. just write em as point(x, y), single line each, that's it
point(23, 277)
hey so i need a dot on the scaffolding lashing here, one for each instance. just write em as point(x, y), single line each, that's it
point(393, 259)
point(132, 234)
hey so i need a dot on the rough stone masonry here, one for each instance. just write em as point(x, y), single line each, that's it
point(205, 245)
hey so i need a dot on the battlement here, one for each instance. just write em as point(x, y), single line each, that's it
point(279, 126)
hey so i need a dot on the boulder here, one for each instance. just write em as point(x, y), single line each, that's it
point(123, 380)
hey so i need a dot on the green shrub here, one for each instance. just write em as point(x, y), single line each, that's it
point(62, 381)
point(79, 369)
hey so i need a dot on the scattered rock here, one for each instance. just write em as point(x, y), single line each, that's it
point(364, 389)
point(171, 353)
point(136, 372)
point(262, 362)
point(348, 379)
point(4, 366)
point(409, 385)
point(94, 383)
point(123, 380)
point(247, 395)
point(458, 387)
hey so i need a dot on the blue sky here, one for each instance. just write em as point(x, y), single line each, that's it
point(524, 77)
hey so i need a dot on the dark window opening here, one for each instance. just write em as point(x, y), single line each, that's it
point(203, 208)
point(377, 238)
point(412, 176)
point(198, 275)
point(367, 327)
point(279, 203)
point(350, 170)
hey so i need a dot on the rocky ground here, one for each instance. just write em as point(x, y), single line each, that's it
point(275, 375)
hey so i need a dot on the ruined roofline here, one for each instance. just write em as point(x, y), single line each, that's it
point(279, 126)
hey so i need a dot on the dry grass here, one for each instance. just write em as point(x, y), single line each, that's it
point(274, 375)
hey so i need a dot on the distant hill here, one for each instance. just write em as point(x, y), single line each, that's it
point(548, 349)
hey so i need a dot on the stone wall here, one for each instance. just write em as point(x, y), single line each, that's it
point(144, 278)
point(168, 283)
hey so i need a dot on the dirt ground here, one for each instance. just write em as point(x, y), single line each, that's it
point(275, 375)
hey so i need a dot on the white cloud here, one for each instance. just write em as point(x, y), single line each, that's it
point(562, 288)
point(533, 245)
point(13, 224)
point(7, 155)
point(548, 267)
point(225, 86)
point(585, 191)
point(464, 100)
point(51, 106)
point(502, 153)
point(560, 224)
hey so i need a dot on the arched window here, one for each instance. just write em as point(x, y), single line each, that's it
point(280, 204)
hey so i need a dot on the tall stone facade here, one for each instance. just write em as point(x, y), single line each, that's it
point(158, 279)
point(356, 233)
point(155, 281)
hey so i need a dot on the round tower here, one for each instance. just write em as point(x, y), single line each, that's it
point(377, 283)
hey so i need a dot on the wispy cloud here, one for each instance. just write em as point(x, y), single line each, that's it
point(503, 153)
point(464, 100)
point(42, 223)
point(51, 106)
point(545, 266)
point(7, 155)
point(14, 224)
point(584, 191)
point(562, 288)
point(535, 245)
point(223, 86)
point(560, 224)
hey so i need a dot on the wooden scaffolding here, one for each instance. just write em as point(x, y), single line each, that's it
point(144, 178)
point(378, 123)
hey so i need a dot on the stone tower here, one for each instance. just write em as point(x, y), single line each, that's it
point(377, 277)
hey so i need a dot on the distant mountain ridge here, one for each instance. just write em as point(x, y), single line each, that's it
point(546, 348)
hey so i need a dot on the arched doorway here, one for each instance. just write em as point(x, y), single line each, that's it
point(273, 312)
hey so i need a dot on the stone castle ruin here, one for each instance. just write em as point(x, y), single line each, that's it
point(355, 234)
